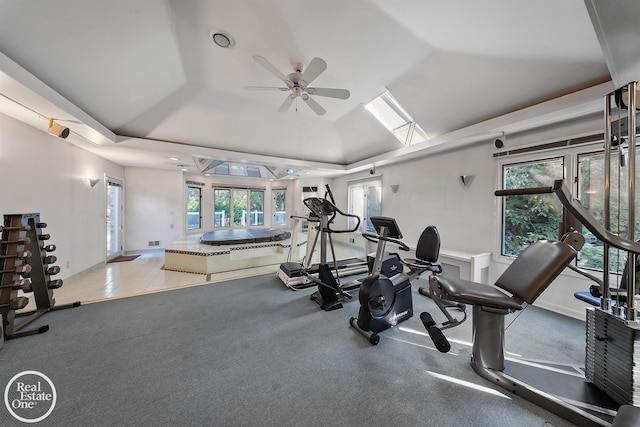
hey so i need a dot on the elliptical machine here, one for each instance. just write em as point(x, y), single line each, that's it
point(386, 301)
point(330, 292)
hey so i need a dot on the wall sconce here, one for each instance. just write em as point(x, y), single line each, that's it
point(58, 130)
point(466, 180)
point(92, 182)
point(394, 188)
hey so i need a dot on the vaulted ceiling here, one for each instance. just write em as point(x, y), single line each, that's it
point(140, 81)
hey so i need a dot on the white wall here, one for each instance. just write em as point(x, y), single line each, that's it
point(430, 192)
point(45, 174)
point(154, 207)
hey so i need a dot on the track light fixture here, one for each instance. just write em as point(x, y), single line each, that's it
point(58, 130)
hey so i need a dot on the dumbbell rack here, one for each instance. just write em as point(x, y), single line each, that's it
point(25, 266)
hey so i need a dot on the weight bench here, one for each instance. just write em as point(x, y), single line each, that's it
point(522, 282)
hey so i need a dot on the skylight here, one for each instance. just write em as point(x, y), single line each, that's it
point(222, 167)
point(396, 120)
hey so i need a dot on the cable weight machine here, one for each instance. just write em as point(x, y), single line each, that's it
point(612, 334)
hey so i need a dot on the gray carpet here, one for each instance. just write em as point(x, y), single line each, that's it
point(252, 353)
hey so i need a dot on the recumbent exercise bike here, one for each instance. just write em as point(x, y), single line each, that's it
point(385, 295)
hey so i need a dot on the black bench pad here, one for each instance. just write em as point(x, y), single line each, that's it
point(467, 292)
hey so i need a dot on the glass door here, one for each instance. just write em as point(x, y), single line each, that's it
point(114, 218)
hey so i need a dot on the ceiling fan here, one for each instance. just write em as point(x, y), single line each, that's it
point(298, 83)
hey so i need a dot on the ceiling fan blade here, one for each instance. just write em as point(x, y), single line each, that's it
point(286, 104)
point(273, 70)
point(317, 108)
point(265, 88)
point(331, 93)
point(313, 70)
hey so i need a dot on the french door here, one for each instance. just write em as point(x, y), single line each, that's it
point(114, 218)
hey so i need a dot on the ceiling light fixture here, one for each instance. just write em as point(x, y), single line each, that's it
point(221, 39)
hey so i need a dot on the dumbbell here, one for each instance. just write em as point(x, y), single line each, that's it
point(23, 241)
point(24, 227)
point(16, 304)
point(50, 259)
point(53, 270)
point(44, 236)
point(49, 248)
point(21, 284)
point(22, 269)
point(23, 255)
point(24, 284)
point(19, 262)
point(41, 224)
point(55, 284)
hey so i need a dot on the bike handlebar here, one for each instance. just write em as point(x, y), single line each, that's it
point(323, 207)
point(374, 238)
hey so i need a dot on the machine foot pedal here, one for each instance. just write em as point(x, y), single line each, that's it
point(438, 338)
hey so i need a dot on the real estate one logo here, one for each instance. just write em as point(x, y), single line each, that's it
point(30, 396)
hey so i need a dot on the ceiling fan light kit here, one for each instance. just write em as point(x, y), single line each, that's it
point(298, 83)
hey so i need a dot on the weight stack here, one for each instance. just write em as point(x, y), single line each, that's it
point(611, 357)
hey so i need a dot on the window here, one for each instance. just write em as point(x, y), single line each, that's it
point(257, 207)
point(396, 120)
point(238, 207)
point(221, 207)
point(280, 207)
point(533, 217)
point(529, 218)
point(253, 171)
point(307, 192)
point(222, 169)
point(194, 199)
point(591, 195)
point(364, 201)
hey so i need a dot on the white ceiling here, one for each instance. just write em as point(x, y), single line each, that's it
point(143, 81)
